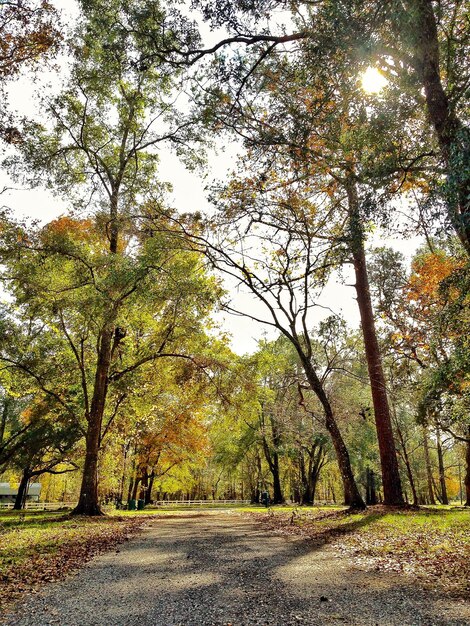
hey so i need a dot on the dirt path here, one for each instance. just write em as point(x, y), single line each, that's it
point(223, 570)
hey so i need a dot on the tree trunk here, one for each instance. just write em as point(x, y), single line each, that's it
point(453, 137)
point(442, 477)
point(352, 497)
point(259, 474)
point(88, 503)
point(272, 459)
point(371, 495)
point(304, 492)
point(135, 488)
point(388, 456)
point(406, 460)
point(4, 417)
point(148, 493)
point(427, 460)
point(130, 488)
point(144, 483)
point(277, 489)
point(315, 464)
point(467, 472)
point(20, 500)
point(332, 489)
point(125, 450)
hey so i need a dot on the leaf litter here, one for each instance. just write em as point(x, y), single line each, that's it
point(430, 546)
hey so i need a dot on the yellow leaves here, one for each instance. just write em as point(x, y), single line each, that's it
point(272, 80)
point(428, 272)
point(415, 184)
point(316, 143)
point(316, 101)
point(26, 415)
point(68, 228)
point(69, 225)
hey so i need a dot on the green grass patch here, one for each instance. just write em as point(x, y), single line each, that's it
point(42, 546)
point(432, 543)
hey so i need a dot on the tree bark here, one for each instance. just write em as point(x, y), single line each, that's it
point(272, 458)
point(303, 494)
point(135, 488)
point(406, 460)
point(371, 497)
point(442, 477)
point(125, 450)
point(427, 460)
point(277, 489)
point(144, 483)
point(388, 456)
point(3, 419)
point(453, 137)
point(310, 478)
point(148, 493)
point(88, 503)
point(352, 497)
point(467, 472)
point(20, 499)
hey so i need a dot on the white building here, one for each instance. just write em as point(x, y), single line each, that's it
point(9, 491)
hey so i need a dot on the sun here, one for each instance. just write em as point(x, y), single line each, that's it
point(373, 81)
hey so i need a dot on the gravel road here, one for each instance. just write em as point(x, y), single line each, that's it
point(223, 570)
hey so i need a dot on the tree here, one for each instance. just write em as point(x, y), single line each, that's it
point(120, 256)
point(46, 446)
point(431, 41)
point(28, 31)
point(420, 45)
point(67, 289)
point(165, 425)
point(36, 435)
point(304, 132)
point(272, 255)
point(425, 313)
point(12, 429)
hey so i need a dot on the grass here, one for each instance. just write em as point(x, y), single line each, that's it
point(431, 544)
point(37, 547)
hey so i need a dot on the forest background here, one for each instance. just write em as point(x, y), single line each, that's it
point(119, 379)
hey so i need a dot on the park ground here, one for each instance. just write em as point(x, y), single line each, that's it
point(278, 566)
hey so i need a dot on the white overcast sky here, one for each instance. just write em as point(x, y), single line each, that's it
point(188, 195)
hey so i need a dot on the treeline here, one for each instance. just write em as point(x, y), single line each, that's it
point(112, 365)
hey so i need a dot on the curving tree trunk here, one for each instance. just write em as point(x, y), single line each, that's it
point(352, 497)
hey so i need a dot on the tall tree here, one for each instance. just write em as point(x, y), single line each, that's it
point(421, 45)
point(116, 109)
point(276, 257)
point(310, 130)
point(425, 313)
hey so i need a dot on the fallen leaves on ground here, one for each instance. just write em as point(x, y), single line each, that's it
point(430, 545)
point(34, 551)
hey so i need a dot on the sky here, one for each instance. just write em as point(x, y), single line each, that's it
point(188, 195)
